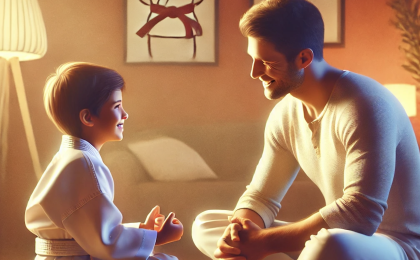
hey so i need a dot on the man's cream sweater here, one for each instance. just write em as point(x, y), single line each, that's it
point(362, 154)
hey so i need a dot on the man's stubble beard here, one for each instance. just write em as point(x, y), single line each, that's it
point(294, 81)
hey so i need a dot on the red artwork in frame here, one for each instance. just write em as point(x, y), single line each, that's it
point(171, 31)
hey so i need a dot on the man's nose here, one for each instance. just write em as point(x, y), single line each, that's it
point(257, 69)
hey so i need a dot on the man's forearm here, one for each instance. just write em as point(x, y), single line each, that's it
point(251, 215)
point(292, 237)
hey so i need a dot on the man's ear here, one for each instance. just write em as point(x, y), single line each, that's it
point(305, 58)
point(86, 117)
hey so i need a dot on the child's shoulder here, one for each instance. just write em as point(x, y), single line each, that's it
point(69, 182)
point(85, 167)
point(71, 167)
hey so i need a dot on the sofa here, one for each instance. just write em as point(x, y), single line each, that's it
point(224, 155)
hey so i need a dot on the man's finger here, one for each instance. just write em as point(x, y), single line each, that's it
point(226, 248)
point(245, 223)
point(234, 229)
point(226, 233)
point(238, 220)
point(224, 256)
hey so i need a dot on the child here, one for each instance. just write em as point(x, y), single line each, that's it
point(71, 210)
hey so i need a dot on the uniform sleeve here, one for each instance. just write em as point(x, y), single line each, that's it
point(368, 130)
point(273, 176)
point(132, 225)
point(97, 228)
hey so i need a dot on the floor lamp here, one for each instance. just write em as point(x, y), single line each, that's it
point(22, 38)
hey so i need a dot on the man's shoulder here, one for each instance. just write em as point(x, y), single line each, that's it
point(356, 86)
point(361, 92)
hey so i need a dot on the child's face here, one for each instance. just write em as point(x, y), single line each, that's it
point(109, 124)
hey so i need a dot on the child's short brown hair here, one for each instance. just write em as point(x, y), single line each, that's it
point(76, 86)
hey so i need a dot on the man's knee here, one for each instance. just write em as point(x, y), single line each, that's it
point(210, 221)
point(205, 220)
point(329, 244)
point(207, 228)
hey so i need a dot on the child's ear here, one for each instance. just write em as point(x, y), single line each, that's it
point(86, 117)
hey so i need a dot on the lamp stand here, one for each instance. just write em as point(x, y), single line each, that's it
point(23, 105)
point(4, 112)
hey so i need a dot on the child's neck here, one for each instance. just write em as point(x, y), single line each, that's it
point(92, 140)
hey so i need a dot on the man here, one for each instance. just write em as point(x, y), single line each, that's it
point(347, 133)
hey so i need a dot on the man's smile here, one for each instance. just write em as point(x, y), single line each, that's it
point(267, 83)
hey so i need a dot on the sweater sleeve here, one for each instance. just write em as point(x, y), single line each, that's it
point(368, 130)
point(97, 228)
point(273, 176)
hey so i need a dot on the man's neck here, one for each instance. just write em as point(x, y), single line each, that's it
point(316, 89)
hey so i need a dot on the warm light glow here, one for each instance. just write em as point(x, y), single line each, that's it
point(22, 37)
point(406, 94)
point(22, 30)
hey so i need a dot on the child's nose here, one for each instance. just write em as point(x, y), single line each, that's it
point(125, 115)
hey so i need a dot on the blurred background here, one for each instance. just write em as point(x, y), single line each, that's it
point(220, 98)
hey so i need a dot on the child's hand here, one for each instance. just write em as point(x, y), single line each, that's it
point(154, 220)
point(170, 231)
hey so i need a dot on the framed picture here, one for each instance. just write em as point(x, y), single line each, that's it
point(332, 12)
point(171, 31)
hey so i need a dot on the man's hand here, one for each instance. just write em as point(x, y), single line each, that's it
point(154, 220)
point(228, 243)
point(242, 238)
point(170, 231)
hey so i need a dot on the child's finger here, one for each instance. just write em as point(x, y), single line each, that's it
point(159, 220)
point(156, 210)
point(169, 218)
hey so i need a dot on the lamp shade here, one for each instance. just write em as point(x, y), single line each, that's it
point(22, 30)
point(406, 94)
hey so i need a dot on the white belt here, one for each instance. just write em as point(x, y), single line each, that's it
point(58, 247)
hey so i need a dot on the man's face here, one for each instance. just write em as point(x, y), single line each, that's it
point(279, 77)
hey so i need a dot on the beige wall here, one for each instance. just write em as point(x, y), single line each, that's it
point(163, 95)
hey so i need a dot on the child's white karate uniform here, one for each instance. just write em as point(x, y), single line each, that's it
point(74, 200)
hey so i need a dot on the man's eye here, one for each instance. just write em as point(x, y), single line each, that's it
point(267, 65)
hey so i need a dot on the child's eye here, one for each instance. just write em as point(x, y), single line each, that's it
point(117, 106)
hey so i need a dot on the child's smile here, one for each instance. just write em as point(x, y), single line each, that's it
point(110, 122)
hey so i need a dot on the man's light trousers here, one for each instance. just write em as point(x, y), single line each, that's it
point(331, 244)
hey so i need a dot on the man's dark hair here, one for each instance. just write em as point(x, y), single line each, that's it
point(291, 25)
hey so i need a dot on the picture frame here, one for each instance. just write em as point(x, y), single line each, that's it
point(332, 12)
point(171, 31)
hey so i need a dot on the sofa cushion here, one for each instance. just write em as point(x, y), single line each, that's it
point(168, 159)
point(125, 168)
